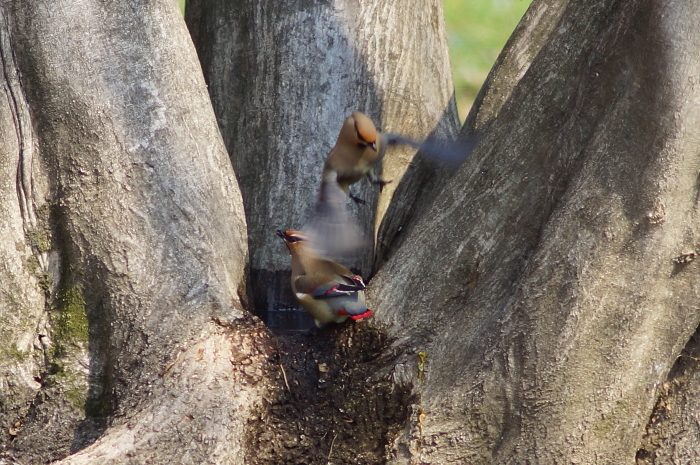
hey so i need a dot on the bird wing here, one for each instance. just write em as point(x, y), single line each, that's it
point(450, 153)
point(333, 233)
point(343, 274)
point(330, 291)
point(337, 286)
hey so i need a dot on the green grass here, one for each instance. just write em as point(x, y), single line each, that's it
point(477, 30)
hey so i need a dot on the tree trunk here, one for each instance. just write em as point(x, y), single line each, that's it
point(424, 179)
point(283, 77)
point(124, 234)
point(537, 306)
point(673, 430)
point(561, 286)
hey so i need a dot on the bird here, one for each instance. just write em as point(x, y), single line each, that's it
point(327, 290)
point(358, 149)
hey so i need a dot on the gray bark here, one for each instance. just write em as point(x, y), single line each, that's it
point(283, 77)
point(673, 430)
point(561, 285)
point(125, 240)
point(424, 179)
point(538, 306)
point(24, 254)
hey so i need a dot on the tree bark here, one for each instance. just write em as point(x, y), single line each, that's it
point(424, 178)
point(561, 285)
point(284, 76)
point(24, 253)
point(126, 234)
point(537, 306)
point(673, 430)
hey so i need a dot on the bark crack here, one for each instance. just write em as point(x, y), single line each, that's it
point(673, 426)
point(23, 127)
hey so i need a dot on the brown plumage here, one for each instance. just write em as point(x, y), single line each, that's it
point(357, 151)
point(326, 289)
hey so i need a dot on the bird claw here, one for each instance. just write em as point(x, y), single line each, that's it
point(357, 199)
point(381, 183)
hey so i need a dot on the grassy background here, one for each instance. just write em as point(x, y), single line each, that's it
point(476, 31)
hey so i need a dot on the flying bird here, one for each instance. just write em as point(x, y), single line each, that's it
point(360, 147)
point(325, 289)
point(358, 150)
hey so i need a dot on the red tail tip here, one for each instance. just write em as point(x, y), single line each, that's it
point(362, 315)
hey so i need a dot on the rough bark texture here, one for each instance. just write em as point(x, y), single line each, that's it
point(562, 284)
point(424, 179)
point(283, 77)
point(129, 243)
point(673, 432)
point(515, 59)
point(24, 252)
point(540, 307)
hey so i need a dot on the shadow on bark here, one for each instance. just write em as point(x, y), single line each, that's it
point(673, 430)
point(282, 78)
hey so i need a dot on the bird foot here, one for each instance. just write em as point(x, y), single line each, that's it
point(381, 183)
point(357, 199)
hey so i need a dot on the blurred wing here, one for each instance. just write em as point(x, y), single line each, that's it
point(333, 233)
point(447, 152)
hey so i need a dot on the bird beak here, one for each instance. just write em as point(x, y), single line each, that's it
point(281, 234)
point(373, 145)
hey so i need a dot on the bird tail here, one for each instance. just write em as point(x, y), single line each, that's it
point(362, 315)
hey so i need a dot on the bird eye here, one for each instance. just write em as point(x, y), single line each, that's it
point(289, 237)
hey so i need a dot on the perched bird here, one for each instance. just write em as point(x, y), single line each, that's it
point(326, 289)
